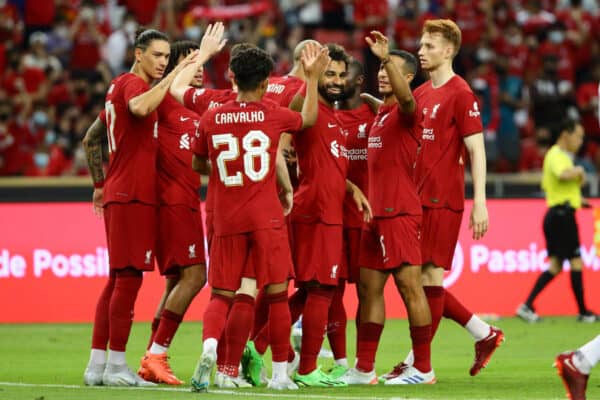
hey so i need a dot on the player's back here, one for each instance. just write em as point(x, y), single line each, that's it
point(447, 115)
point(177, 128)
point(132, 144)
point(241, 141)
point(282, 89)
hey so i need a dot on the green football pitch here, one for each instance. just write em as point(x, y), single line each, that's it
point(46, 362)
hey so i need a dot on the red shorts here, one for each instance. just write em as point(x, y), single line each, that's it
point(209, 229)
point(263, 255)
point(351, 251)
point(317, 252)
point(388, 243)
point(439, 236)
point(180, 240)
point(130, 235)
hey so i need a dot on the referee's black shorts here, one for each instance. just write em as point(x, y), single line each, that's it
point(561, 233)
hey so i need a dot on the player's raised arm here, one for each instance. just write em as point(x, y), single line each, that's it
point(479, 214)
point(400, 86)
point(286, 193)
point(314, 60)
point(92, 143)
point(212, 42)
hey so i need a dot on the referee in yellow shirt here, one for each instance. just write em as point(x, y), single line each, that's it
point(561, 183)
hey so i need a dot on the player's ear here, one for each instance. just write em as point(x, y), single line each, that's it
point(264, 84)
point(138, 54)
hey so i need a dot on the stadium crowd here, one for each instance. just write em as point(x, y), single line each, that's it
point(531, 63)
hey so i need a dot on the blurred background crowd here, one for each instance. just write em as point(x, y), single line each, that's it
point(531, 62)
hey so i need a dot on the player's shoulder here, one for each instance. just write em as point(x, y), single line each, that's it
point(423, 88)
point(459, 85)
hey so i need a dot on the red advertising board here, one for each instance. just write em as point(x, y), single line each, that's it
point(53, 265)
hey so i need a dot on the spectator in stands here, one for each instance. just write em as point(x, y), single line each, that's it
point(118, 43)
point(87, 38)
point(59, 40)
point(39, 58)
point(587, 102)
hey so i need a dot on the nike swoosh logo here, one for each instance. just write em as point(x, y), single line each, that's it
point(331, 125)
point(569, 364)
point(183, 119)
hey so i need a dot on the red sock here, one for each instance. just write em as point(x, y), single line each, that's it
point(454, 310)
point(237, 331)
point(336, 324)
point(221, 353)
point(101, 325)
point(154, 327)
point(291, 353)
point(122, 302)
point(169, 322)
point(368, 340)
point(435, 298)
point(261, 314)
point(279, 325)
point(421, 344)
point(297, 302)
point(314, 322)
point(215, 316)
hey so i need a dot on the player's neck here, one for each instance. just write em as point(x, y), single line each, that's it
point(139, 71)
point(389, 99)
point(324, 101)
point(441, 75)
point(351, 103)
point(249, 96)
point(297, 71)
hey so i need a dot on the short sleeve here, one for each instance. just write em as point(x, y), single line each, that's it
point(559, 163)
point(196, 100)
point(467, 114)
point(200, 145)
point(133, 88)
point(289, 121)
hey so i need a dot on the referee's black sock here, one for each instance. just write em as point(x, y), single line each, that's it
point(577, 286)
point(540, 284)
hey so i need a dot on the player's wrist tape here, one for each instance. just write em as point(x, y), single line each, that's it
point(99, 185)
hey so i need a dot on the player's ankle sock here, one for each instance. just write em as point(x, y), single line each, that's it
point(97, 356)
point(122, 302)
point(314, 322)
point(154, 328)
point(478, 328)
point(261, 313)
point(279, 369)
point(169, 322)
point(454, 310)
point(577, 287)
point(590, 355)
point(116, 357)
point(435, 298)
point(421, 344)
point(369, 334)
point(237, 330)
point(541, 282)
point(336, 324)
point(210, 345)
point(342, 361)
point(296, 303)
point(100, 333)
point(215, 316)
point(280, 323)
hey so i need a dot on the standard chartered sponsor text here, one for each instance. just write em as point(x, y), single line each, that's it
point(44, 263)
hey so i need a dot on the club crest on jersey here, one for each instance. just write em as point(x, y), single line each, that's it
point(148, 257)
point(197, 92)
point(192, 250)
point(380, 123)
point(475, 111)
point(184, 142)
point(435, 110)
point(362, 131)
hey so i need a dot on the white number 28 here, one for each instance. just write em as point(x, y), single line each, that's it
point(255, 145)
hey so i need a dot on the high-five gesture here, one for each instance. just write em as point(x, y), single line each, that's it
point(212, 42)
point(381, 46)
point(314, 60)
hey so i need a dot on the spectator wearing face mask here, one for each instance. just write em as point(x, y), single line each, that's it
point(115, 49)
point(559, 45)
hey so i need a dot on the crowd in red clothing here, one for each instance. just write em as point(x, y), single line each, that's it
point(531, 63)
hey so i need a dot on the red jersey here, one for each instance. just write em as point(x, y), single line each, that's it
point(323, 165)
point(241, 139)
point(178, 183)
point(132, 145)
point(356, 124)
point(393, 148)
point(447, 115)
point(282, 89)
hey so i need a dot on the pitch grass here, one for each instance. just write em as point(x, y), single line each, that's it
point(50, 359)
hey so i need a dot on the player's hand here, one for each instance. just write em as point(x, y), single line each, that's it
point(213, 42)
point(289, 154)
point(97, 200)
point(189, 59)
point(373, 102)
point(286, 198)
point(479, 220)
point(314, 60)
point(380, 47)
point(362, 204)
